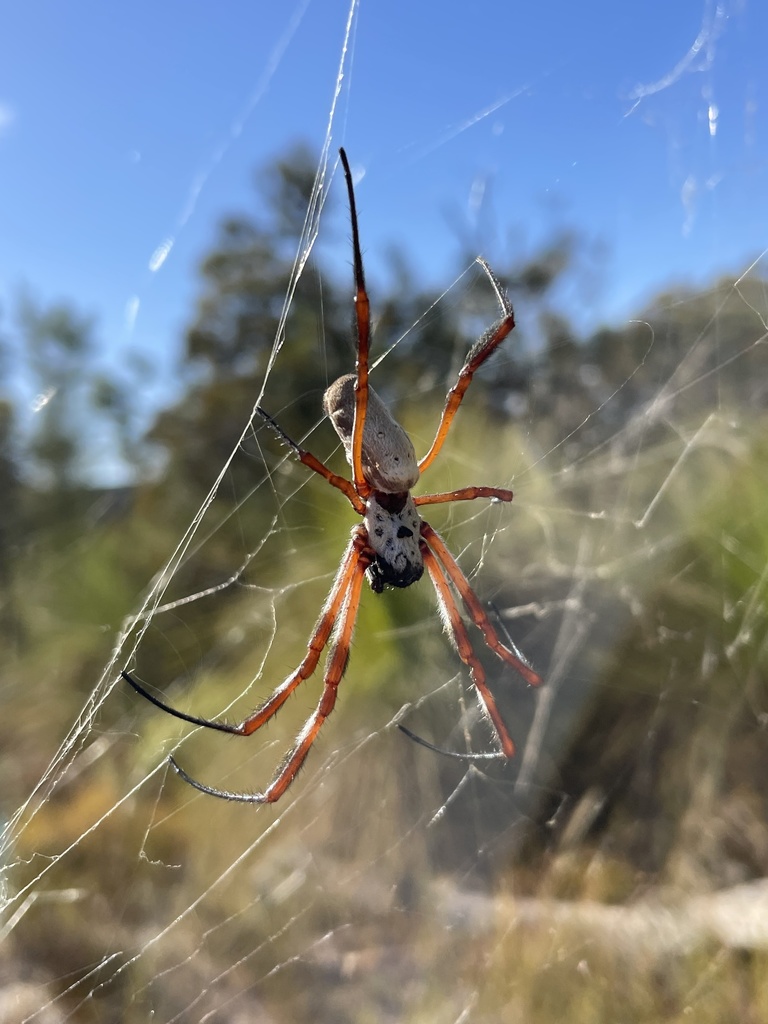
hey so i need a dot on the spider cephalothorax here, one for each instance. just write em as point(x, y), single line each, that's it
point(394, 534)
point(392, 545)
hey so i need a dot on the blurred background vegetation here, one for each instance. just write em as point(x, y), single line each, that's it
point(399, 885)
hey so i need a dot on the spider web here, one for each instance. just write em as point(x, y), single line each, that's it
point(393, 883)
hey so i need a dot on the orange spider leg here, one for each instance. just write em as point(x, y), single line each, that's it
point(473, 606)
point(354, 556)
point(464, 494)
point(312, 462)
point(363, 318)
point(334, 670)
point(456, 627)
point(484, 347)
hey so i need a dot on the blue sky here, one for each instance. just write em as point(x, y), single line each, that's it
point(124, 127)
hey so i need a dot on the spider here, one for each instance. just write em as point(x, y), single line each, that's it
point(392, 546)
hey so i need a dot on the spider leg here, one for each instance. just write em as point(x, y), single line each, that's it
point(353, 559)
point(363, 322)
point(465, 494)
point(484, 347)
point(193, 719)
point(454, 754)
point(455, 626)
point(312, 462)
point(334, 670)
point(473, 606)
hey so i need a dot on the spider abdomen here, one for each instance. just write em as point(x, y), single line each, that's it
point(394, 534)
point(389, 461)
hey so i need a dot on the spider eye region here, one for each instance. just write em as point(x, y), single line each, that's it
point(393, 527)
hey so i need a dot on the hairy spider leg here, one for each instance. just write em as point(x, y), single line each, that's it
point(355, 554)
point(484, 347)
point(363, 321)
point(312, 462)
point(458, 631)
point(334, 670)
point(465, 494)
point(473, 606)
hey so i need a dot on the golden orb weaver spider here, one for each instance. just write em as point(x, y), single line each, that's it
point(392, 546)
